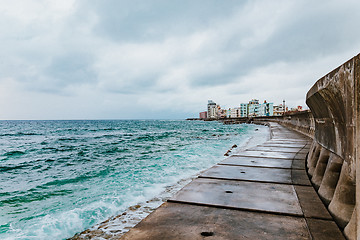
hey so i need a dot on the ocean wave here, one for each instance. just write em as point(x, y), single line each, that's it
point(66, 139)
point(107, 136)
point(32, 196)
point(19, 134)
point(78, 179)
point(14, 153)
point(13, 167)
point(154, 137)
point(108, 129)
point(65, 148)
point(89, 176)
point(114, 150)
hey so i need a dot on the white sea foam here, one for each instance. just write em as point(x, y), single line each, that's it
point(74, 191)
point(262, 135)
point(122, 223)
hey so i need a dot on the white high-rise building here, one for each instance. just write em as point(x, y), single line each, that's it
point(212, 109)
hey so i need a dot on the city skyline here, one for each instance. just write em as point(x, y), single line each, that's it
point(253, 108)
point(260, 101)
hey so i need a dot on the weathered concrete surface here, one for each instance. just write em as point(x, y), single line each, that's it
point(311, 205)
point(333, 160)
point(302, 122)
point(280, 149)
point(253, 195)
point(283, 144)
point(264, 162)
point(250, 173)
point(278, 155)
point(183, 221)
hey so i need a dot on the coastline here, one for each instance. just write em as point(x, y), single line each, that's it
point(263, 192)
point(116, 226)
point(98, 169)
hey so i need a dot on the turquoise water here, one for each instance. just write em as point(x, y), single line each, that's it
point(58, 178)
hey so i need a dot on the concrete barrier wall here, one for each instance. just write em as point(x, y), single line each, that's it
point(302, 122)
point(334, 125)
point(334, 154)
point(333, 161)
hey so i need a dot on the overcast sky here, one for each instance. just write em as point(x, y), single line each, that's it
point(113, 59)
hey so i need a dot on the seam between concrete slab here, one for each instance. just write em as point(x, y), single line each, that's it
point(320, 218)
point(301, 159)
point(284, 141)
point(238, 208)
point(237, 155)
point(240, 165)
point(305, 218)
point(308, 228)
point(257, 150)
point(286, 159)
point(271, 145)
point(258, 181)
point(297, 196)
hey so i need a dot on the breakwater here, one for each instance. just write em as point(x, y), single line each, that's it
point(335, 151)
point(261, 192)
point(333, 124)
point(243, 197)
point(333, 162)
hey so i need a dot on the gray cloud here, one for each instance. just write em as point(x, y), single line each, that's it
point(137, 21)
point(164, 59)
point(72, 68)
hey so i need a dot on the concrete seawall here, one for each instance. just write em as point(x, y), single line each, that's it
point(301, 184)
point(259, 193)
point(334, 125)
point(334, 154)
point(331, 161)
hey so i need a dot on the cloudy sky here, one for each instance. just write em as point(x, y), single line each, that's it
point(113, 59)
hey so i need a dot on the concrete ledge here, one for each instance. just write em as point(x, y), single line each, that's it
point(280, 198)
point(333, 161)
point(184, 222)
point(263, 162)
point(255, 194)
point(251, 173)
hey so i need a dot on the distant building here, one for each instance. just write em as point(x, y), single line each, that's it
point(279, 110)
point(235, 112)
point(212, 109)
point(266, 109)
point(297, 109)
point(228, 113)
point(253, 108)
point(223, 113)
point(220, 113)
point(243, 110)
point(203, 115)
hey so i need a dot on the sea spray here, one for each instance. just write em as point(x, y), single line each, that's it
point(61, 177)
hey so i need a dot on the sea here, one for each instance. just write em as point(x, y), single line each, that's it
point(58, 178)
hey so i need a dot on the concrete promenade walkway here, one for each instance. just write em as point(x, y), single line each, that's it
point(259, 193)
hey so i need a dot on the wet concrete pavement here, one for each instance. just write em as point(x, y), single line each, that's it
point(260, 193)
